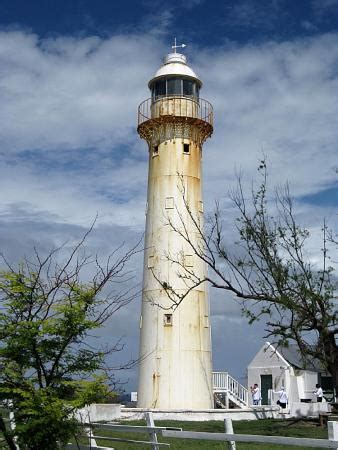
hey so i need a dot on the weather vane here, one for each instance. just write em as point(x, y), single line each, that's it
point(175, 46)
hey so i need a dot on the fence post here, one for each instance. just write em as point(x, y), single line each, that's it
point(332, 429)
point(229, 430)
point(89, 433)
point(12, 421)
point(152, 434)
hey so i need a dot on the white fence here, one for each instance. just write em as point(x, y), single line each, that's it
point(228, 436)
point(331, 442)
point(150, 429)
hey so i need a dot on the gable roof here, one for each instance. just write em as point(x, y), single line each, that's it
point(294, 357)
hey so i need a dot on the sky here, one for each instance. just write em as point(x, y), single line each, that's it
point(72, 74)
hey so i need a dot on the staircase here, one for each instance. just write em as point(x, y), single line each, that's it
point(234, 394)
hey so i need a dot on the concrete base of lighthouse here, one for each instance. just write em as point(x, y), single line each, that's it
point(201, 415)
point(296, 410)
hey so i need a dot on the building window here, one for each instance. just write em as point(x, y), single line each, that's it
point(186, 148)
point(188, 88)
point(169, 203)
point(150, 261)
point(188, 261)
point(168, 320)
point(206, 322)
point(155, 150)
point(200, 206)
point(174, 86)
point(160, 88)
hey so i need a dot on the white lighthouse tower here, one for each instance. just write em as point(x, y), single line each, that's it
point(175, 349)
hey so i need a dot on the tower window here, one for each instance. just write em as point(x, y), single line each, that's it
point(188, 261)
point(188, 87)
point(155, 150)
point(160, 88)
point(186, 148)
point(174, 86)
point(168, 320)
point(169, 203)
point(150, 261)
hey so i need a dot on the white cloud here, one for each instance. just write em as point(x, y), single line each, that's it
point(277, 99)
point(66, 94)
point(69, 93)
point(69, 148)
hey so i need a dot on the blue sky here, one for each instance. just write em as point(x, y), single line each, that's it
point(210, 23)
point(72, 74)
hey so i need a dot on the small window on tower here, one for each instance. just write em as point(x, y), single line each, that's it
point(174, 86)
point(169, 203)
point(188, 261)
point(155, 150)
point(186, 148)
point(150, 261)
point(188, 87)
point(159, 89)
point(168, 320)
point(206, 322)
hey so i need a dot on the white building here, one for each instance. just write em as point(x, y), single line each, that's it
point(271, 369)
point(175, 370)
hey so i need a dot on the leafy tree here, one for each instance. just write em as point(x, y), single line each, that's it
point(268, 269)
point(47, 367)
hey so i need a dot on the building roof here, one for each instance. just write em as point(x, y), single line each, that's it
point(294, 357)
point(175, 64)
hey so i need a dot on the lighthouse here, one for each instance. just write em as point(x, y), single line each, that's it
point(175, 369)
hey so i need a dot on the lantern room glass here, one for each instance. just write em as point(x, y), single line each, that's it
point(174, 86)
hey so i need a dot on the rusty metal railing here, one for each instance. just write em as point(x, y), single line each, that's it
point(175, 106)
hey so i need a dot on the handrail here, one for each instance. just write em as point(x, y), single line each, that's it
point(176, 106)
point(222, 381)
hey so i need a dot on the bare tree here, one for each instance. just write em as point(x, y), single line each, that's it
point(268, 270)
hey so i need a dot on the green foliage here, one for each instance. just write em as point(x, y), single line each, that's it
point(43, 419)
point(47, 370)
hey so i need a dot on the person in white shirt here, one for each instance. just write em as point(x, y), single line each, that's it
point(283, 397)
point(256, 394)
point(319, 393)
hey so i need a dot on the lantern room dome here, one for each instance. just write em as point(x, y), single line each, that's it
point(175, 64)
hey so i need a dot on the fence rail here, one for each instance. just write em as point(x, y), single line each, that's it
point(281, 440)
point(150, 428)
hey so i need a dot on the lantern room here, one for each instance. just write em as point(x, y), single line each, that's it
point(175, 79)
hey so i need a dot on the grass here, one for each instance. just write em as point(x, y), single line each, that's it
point(271, 427)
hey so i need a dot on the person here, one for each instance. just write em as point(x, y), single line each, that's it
point(283, 398)
point(319, 393)
point(256, 394)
